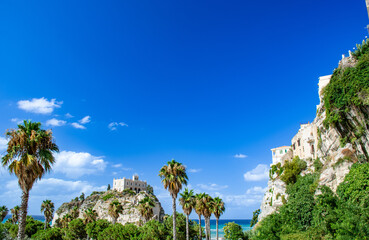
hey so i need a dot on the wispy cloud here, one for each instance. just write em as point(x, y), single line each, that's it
point(85, 120)
point(68, 115)
point(240, 155)
point(55, 122)
point(212, 187)
point(256, 190)
point(76, 164)
point(261, 172)
point(39, 105)
point(3, 144)
point(192, 170)
point(78, 126)
point(16, 120)
point(114, 125)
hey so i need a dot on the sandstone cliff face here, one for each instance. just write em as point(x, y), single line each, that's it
point(96, 201)
point(336, 156)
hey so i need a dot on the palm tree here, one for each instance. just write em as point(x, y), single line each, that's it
point(218, 209)
point(145, 208)
point(207, 211)
point(29, 156)
point(47, 207)
point(15, 214)
point(89, 215)
point(115, 208)
point(66, 219)
point(187, 202)
point(173, 176)
point(74, 212)
point(3, 212)
point(199, 208)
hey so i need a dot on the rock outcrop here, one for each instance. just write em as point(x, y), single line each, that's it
point(336, 146)
point(100, 201)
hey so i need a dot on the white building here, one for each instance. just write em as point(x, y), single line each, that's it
point(133, 184)
point(278, 153)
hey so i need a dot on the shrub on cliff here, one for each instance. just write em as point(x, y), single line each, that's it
point(120, 232)
point(292, 169)
point(94, 228)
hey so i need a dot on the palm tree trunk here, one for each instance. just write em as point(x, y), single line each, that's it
point(45, 223)
point(206, 228)
point(200, 230)
point(174, 218)
point(187, 233)
point(23, 215)
point(217, 228)
point(207, 225)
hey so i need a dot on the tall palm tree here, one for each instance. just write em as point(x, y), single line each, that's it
point(115, 208)
point(3, 212)
point(187, 202)
point(47, 207)
point(207, 211)
point(89, 215)
point(145, 208)
point(218, 209)
point(29, 156)
point(15, 214)
point(199, 208)
point(173, 176)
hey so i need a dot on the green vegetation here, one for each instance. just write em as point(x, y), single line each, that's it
point(106, 197)
point(233, 231)
point(255, 216)
point(324, 216)
point(277, 168)
point(292, 169)
point(318, 165)
point(347, 91)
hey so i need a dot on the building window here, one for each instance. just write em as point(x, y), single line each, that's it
point(298, 142)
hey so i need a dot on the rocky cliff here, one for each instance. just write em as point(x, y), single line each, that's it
point(100, 201)
point(341, 129)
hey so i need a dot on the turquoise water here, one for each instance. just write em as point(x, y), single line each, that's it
point(244, 223)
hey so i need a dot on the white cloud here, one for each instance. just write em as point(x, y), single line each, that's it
point(55, 122)
point(261, 172)
point(16, 120)
point(68, 115)
point(117, 165)
point(78, 126)
point(75, 164)
point(85, 120)
point(191, 170)
point(58, 190)
point(212, 187)
point(113, 125)
point(240, 155)
point(39, 105)
point(256, 190)
point(3, 144)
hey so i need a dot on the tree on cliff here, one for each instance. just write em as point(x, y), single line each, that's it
point(47, 207)
point(15, 214)
point(187, 202)
point(29, 156)
point(145, 208)
point(115, 208)
point(89, 215)
point(173, 176)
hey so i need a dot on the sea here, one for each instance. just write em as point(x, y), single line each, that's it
point(244, 223)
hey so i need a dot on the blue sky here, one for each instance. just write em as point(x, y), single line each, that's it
point(198, 81)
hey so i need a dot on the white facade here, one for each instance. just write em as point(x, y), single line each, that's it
point(323, 81)
point(133, 184)
point(278, 153)
point(304, 143)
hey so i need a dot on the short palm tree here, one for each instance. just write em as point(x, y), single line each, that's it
point(89, 215)
point(218, 209)
point(187, 202)
point(173, 176)
point(199, 208)
point(207, 211)
point(145, 207)
point(47, 207)
point(115, 208)
point(15, 214)
point(74, 212)
point(3, 212)
point(66, 219)
point(29, 156)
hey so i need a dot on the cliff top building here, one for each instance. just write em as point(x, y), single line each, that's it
point(133, 184)
point(278, 153)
